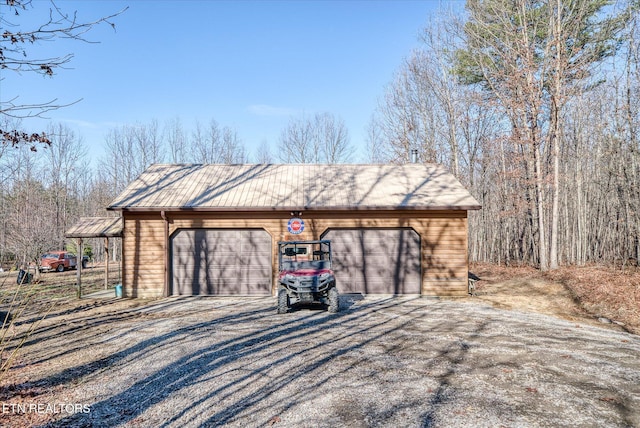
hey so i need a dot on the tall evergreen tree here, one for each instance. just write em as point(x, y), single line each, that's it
point(533, 56)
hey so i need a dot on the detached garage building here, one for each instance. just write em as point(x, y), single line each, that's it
point(214, 229)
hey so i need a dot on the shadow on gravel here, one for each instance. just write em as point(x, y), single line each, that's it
point(48, 337)
point(243, 365)
point(263, 348)
point(75, 330)
point(454, 357)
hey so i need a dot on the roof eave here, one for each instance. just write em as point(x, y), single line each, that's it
point(91, 235)
point(297, 208)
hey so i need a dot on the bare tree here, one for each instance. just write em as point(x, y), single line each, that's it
point(28, 206)
point(432, 68)
point(64, 165)
point(16, 55)
point(148, 142)
point(176, 140)
point(232, 149)
point(375, 151)
point(297, 143)
point(421, 108)
point(399, 119)
point(322, 138)
point(216, 145)
point(333, 137)
point(129, 150)
point(263, 154)
point(206, 145)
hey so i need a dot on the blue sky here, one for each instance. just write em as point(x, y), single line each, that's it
point(250, 65)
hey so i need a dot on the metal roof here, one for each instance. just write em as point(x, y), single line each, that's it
point(96, 227)
point(262, 187)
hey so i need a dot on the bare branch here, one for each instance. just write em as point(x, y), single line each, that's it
point(16, 56)
point(14, 44)
point(23, 111)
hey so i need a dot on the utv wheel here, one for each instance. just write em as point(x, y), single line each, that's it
point(334, 300)
point(283, 302)
point(60, 268)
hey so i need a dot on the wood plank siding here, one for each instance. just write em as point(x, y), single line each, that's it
point(443, 241)
point(143, 255)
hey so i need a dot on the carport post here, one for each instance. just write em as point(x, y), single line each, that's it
point(79, 268)
point(106, 263)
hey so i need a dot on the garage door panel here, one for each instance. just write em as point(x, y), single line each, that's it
point(376, 261)
point(228, 262)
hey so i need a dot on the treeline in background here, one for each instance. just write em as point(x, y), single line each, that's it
point(533, 105)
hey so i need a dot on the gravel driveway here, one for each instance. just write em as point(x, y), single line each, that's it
point(397, 362)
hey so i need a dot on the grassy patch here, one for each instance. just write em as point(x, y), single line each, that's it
point(24, 306)
point(53, 286)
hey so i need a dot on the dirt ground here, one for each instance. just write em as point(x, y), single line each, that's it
point(591, 294)
point(522, 352)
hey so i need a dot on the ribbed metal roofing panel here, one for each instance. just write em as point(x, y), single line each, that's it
point(322, 187)
point(95, 227)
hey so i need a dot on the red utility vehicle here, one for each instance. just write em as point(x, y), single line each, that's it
point(306, 275)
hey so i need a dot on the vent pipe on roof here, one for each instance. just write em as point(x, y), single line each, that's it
point(414, 155)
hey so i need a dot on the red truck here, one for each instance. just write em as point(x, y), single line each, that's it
point(60, 261)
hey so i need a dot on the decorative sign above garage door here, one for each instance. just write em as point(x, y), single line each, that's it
point(295, 226)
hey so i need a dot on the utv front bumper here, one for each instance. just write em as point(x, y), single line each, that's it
point(308, 288)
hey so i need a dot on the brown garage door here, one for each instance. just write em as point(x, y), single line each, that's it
point(369, 261)
point(222, 262)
